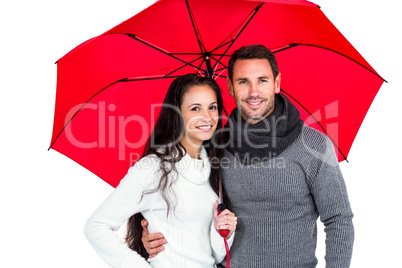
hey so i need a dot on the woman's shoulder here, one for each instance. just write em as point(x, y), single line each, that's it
point(147, 164)
point(145, 170)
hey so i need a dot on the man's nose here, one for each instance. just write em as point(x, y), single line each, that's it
point(253, 89)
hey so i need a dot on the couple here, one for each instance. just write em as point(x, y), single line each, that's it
point(279, 176)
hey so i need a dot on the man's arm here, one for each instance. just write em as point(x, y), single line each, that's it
point(329, 191)
point(153, 243)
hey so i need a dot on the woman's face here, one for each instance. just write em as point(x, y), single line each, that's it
point(200, 114)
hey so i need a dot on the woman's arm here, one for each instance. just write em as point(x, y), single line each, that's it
point(115, 210)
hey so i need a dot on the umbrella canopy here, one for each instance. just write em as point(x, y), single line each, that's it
point(111, 87)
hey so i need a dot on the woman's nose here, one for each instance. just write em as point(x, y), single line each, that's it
point(206, 116)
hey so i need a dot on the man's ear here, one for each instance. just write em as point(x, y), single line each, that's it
point(278, 83)
point(230, 87)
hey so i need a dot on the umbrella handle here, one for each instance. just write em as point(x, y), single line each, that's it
point(224, 233)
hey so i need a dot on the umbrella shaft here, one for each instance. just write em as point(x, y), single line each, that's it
point(208, 68)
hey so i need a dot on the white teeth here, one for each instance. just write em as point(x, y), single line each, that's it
point(255, 103)
point(206, 127)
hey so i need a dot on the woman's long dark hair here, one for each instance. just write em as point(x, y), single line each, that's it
point(164, 143)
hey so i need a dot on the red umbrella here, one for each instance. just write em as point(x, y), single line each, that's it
point(109, 88)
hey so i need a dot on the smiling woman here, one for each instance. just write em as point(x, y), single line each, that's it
point(173, 186)
point(200, 114)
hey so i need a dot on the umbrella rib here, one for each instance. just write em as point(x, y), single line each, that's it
point(218, 47)
point(221, 69)
point(202, 48)
point(219, 62)
point(183, 53)
point(121, 80)
point(160, 50)
point(299, 44)
point(284, 48)
point(184, 66)
point(237, 36)
point(150, 78)
point(199, 67)
point(301, 105)
point(118, 81)
point(216, 67)
point(213, 54)
point(220, 75)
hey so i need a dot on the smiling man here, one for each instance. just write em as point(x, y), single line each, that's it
point(278, 206)
point(254, 86)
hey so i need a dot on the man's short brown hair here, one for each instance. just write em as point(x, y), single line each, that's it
point(253, 52)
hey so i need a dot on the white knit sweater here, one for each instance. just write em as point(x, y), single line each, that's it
point(192, 239)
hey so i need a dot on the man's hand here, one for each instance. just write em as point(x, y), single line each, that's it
point(153, 243)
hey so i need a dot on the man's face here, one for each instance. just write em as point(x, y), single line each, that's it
point(254, 88)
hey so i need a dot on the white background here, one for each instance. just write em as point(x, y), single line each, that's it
point(45, 198)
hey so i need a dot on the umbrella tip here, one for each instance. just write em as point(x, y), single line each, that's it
point(258, 8)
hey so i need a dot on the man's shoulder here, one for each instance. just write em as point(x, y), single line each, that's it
point(313, 132)
point(312, 142)
point(313, 136)
point(315, 143)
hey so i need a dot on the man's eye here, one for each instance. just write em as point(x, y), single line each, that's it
point(263, 80)
point(242, 82)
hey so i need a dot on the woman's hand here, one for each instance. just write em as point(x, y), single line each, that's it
point(226, 220)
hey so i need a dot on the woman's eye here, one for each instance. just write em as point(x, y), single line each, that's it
point(195, 109)
point(214, 107)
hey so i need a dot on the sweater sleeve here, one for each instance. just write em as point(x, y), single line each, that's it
point(124, 201)
point(218, 244)
point(329, 192)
